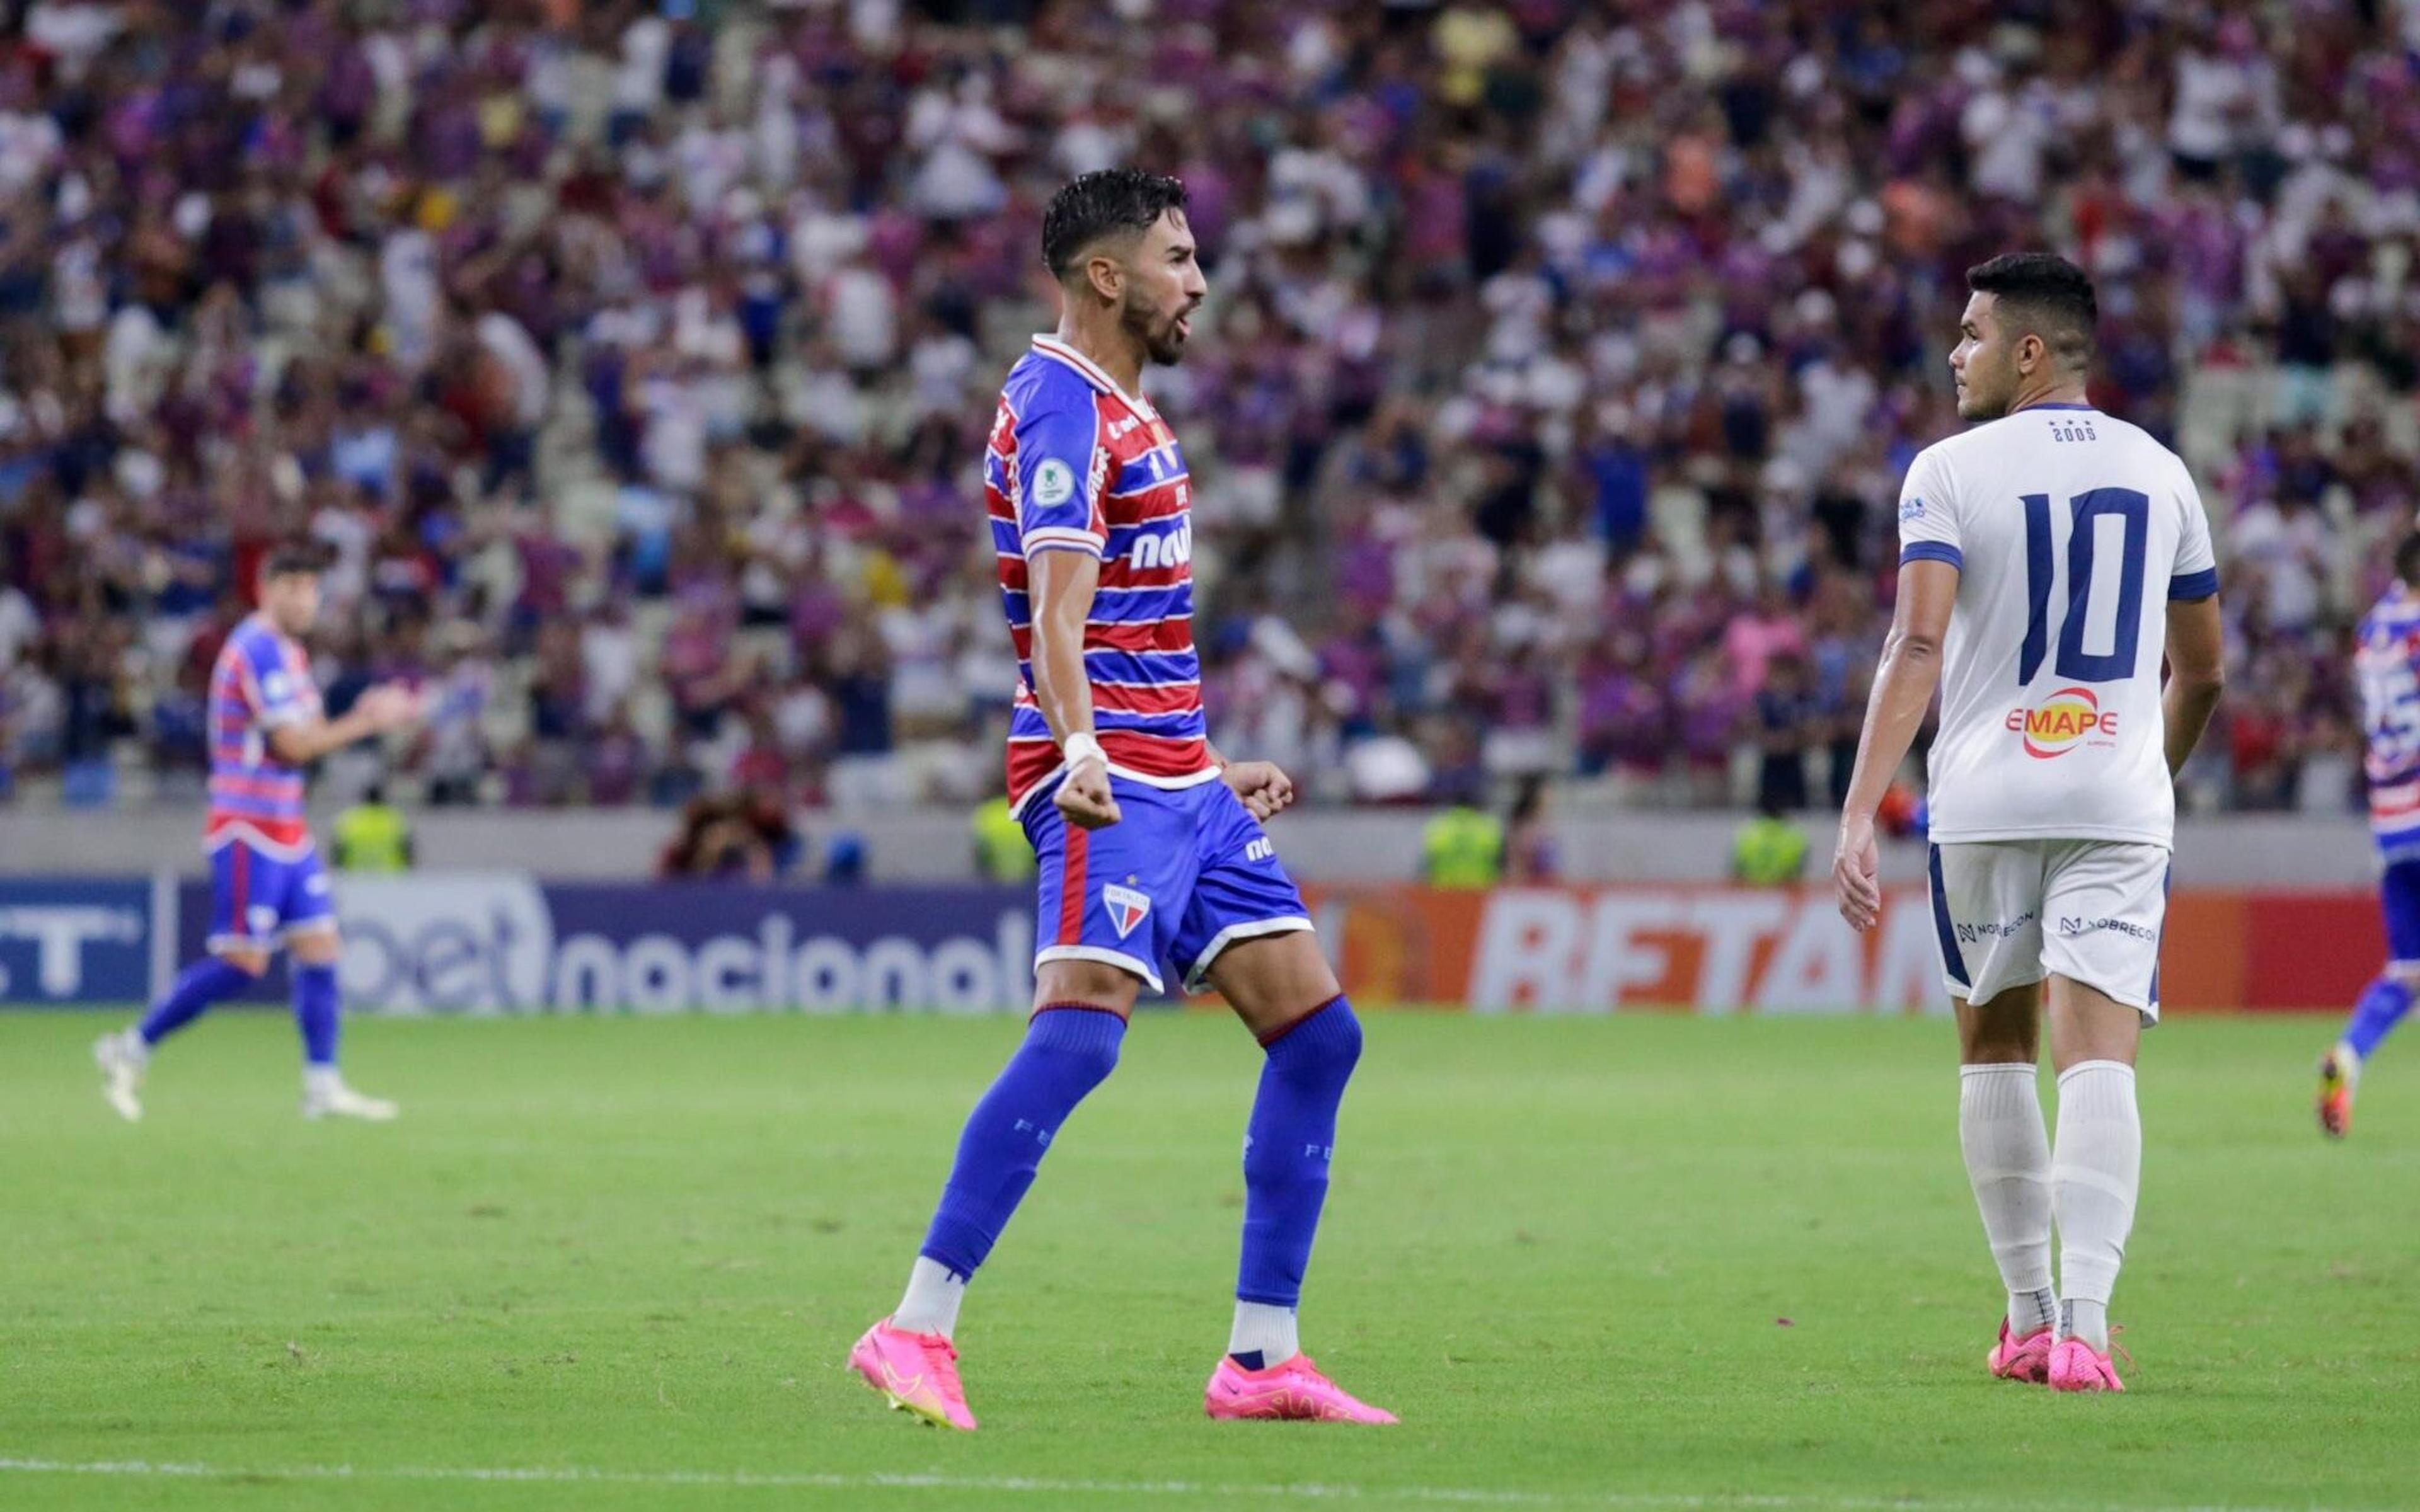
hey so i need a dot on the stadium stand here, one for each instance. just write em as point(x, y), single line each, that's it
point(1560, 365)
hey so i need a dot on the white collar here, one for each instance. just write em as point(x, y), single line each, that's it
point(1094, 373)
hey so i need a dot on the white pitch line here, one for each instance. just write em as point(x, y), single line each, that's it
point(1028, 1485)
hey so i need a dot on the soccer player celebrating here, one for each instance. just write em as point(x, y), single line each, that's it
point(2387, 658)
point(266, 882)
point(1150, 842)
point(2050, 559)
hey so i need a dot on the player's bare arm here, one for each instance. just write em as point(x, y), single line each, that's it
point(2196, 675)
point(1062, 585)
point(1904, 682)
point(387, 707)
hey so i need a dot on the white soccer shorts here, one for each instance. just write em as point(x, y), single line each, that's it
point(2012, 912)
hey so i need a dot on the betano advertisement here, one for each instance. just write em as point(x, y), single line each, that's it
point(1732, 950)
point(492, 943)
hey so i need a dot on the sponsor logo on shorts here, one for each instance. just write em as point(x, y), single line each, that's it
point(1126, 908)
point(2059, 723)
point(1999, 929)
point(2070, 926)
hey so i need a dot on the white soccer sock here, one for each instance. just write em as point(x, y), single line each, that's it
point(931, 1304)
point(2007, 1161)
point(1266, 1329)
point(2094, 1176)
point(321, 1078)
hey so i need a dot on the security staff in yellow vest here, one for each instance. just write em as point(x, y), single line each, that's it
point(1462, 848)
point(1003, 854)
point(373, 836)
point(1770, 851)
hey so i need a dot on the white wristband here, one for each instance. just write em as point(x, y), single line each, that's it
point(1083, 747)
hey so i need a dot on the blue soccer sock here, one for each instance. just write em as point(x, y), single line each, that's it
point(1069, 1049)
point(201, 984)
point(314, 1013)
point(2382, 1006)
point(1287, 1148)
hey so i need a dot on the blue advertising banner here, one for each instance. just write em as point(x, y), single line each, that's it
point(491, 943)
point(76, 940)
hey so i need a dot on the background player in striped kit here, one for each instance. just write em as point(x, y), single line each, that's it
point(1150, 844)
point(267, 885)
point(2387, 661)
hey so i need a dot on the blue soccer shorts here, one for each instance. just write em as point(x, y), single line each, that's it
point(1180, 877)
point(259, 896)
point(2398, 898)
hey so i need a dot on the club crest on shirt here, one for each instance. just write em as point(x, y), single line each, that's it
point(1126, 908)
point(1054, 483)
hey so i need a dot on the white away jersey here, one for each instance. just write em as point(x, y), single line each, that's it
point(2071, 532)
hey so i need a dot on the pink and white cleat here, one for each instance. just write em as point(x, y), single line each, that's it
point(2025, 1359)
point(1289, 1391)
point(915, 1373)
point(2075, 1365)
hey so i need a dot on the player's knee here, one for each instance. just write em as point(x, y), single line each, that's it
point(251, 962)
point(1084, 1039)
point(1346, 1039)
point(2405, 974)
point(320, 948)
point(1325, 1043)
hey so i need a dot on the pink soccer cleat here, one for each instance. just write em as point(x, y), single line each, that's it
point(915, 1373)
point(2025, 1359)
point(2338, 1068)
point(2075, 1365)
point(1289, 1391)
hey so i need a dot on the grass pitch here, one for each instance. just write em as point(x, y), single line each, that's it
point(1634, 1262)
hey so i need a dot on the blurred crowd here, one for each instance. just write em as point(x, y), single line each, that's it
point(1546, 417)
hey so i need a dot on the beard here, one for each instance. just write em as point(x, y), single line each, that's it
point(1161, 341)
point(1974, 403)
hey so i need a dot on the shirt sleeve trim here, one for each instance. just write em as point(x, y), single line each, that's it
point(2186, 586)
point(1063, 538)
point(1932, 551)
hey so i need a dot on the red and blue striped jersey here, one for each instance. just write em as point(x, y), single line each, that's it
point(262, 682)
point(1076, 464)
point(2387, 659)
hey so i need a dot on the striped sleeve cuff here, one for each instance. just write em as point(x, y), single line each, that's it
point(1932, 551)
point(1060, 538)
point(2192, 585)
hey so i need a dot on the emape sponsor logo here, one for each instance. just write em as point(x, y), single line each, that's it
point(2058, 724)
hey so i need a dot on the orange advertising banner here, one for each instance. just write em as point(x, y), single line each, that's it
point(1721, 949)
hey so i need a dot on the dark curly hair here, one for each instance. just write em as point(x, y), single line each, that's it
point(2044, 293)
point(1106, 202)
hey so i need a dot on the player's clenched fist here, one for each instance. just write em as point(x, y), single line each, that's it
point(391, 706)
point(1263, 789)
point(1085, 799)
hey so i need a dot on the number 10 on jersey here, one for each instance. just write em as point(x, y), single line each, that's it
point(2090, 571)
